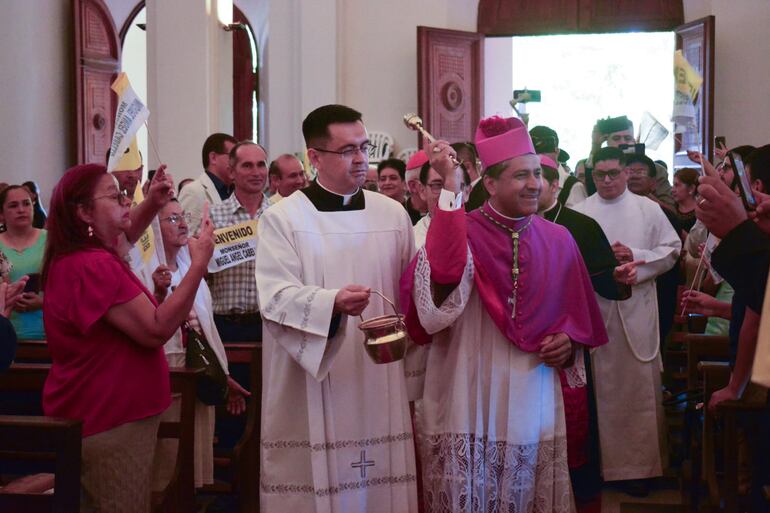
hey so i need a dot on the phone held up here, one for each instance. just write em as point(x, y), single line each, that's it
point(742, 179)
point(33, 284)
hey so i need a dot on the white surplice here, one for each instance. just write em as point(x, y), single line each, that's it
point(627, 370)
point(336, 431)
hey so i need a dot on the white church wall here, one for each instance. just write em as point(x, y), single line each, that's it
point(498, 70)
point(378, 61)
point(358, 52)
point(742, 78)
point(36, 92)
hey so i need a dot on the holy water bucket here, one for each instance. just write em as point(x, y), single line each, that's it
point(385, 336)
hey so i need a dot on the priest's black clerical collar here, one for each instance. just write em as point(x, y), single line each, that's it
point(552, 214)
point(326, 201)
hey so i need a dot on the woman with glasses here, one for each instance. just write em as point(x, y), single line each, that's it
point(106, 331)
point(23, 245)
point(174, 227)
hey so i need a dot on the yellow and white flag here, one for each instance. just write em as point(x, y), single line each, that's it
point(131, 158)
point(129, 116)
point(150, 244)
point(687, 83)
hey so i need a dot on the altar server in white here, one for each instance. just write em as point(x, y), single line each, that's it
point(627, 370)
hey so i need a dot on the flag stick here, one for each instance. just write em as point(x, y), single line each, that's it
point(152, 143)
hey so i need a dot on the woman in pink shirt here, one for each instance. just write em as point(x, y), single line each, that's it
point(106, 333)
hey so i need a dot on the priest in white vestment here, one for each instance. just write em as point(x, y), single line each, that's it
point(515, 304)
point(627, 370)
point(336, 430)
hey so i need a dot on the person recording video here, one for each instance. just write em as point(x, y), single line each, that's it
point(618, 132)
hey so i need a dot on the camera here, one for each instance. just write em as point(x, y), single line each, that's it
point(526, 96)
point(611, 125)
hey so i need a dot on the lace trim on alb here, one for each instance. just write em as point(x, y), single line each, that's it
point(465, 473)
point(576, 374)
point(434, 318)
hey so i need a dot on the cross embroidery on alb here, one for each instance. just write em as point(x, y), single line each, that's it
point(362, 464)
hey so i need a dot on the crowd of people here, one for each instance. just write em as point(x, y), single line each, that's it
point(538, 302)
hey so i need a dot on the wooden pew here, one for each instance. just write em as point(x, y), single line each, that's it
point(244, 459)
point(702, 348)
point(179, 494)
point(46, 438)
point(56, 442)
point(32, 351)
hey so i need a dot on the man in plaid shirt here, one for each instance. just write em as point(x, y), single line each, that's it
point(234, 290)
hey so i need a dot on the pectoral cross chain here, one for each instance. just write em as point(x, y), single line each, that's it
point(515, 264)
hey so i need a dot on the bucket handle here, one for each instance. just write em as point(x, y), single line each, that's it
point(386, 300)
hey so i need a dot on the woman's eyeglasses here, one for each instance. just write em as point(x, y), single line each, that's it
point(178, 218)
point(120, 197)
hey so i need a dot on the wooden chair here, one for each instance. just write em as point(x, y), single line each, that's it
point(179, 494)
point(53, 441)
point(381, 148)
point(243, 460)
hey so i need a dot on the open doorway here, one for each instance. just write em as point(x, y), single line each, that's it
point(584, 77)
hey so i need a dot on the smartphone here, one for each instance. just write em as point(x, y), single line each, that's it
point(632, 149)
point(720, 141)
point(33, 284)
point(743, 181)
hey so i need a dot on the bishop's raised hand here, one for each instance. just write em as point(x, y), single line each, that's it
point(443, 160)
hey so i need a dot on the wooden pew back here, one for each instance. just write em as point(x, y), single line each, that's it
point(56, 442)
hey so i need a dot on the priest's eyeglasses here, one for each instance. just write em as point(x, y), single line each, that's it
point(612, 173)
point(178, 218)
point(365, 148)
